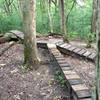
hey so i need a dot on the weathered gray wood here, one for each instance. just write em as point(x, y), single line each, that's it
point(61, 61)
point(59, 43)
point(83, 94)
point(69, 72)
point(77, 50)
point(82, 52)
point(72, 48)
point(64, 68)
point(92, 56)
point(86, 99)
point(75, 81)
point(63, 45)
point(67, 46)
point(60, 58)
point(87, 53)
point(64, 65)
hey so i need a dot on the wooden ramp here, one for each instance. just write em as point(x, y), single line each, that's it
point(76, 87)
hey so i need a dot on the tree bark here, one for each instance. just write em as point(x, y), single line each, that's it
point(98, 53)
point(50, 16)
point(61, 4)
point(94, 15)
point(29, 28)
point(62, 18)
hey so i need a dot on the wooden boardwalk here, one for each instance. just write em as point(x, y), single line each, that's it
point(76, 87)
point(70, 49)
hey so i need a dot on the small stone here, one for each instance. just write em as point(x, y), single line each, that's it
point(44, 94)
point(14, 71)
point(17, 97)
point(37, 84)
point(38, 73)
point(1, 66)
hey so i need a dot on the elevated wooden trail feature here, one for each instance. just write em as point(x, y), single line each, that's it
point(76, 87)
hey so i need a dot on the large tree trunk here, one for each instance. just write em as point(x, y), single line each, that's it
point(62, 17)
point(94, 15)
point(29, 28)
point(98, 53)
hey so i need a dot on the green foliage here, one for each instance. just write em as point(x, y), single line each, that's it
point(9, 22)
point(25, 68)
point(79, 21)
point(78, 24)
point(91, 37)
point(60, 78)
point(73, 35)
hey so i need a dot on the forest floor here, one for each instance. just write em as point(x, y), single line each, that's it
point(40, 84)
point(15, 84)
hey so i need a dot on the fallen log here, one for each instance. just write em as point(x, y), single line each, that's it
point(11, 36)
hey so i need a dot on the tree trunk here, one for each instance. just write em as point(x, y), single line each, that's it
point(50, 16)
point(98, 53)
point(62, 17)
point(94, 15)
point(29, 27)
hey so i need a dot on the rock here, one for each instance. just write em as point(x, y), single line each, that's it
point(17, 97)
point(10, 35)
point(18, 33)
point(38, 73)
point(2, 65)
point(14, 71)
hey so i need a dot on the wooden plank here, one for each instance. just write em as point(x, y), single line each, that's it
point(60, 58)
point(79, 87)
point(87, 53)
point(84, 94)
point(69, 72)
point(72, 48)
point(75, 81)
point(67, 46)
point(64, 65)
point(77, 50)
point(64, 68)
point(57, 56)
point(63, 45)
point(86, 99)
point(59, 43)
point(92, 56)
point(61, 61)
point(81, 52)
point(73, 76)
